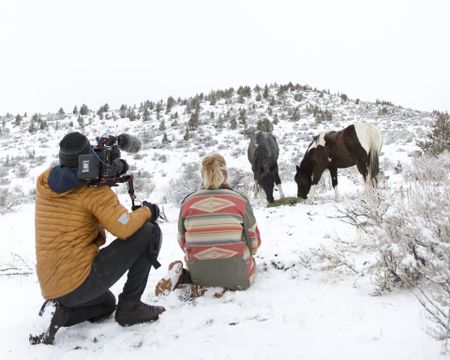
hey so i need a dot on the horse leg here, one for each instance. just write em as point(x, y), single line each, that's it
point(278, 182)
point(256, 189)
point(312, 193)
point(334, 182)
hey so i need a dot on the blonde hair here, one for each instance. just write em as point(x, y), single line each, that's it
point(214, 170)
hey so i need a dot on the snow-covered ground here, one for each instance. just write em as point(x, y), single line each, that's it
point(297, 308)
point(288, 314)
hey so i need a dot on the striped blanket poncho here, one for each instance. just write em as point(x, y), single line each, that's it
point(218, 234)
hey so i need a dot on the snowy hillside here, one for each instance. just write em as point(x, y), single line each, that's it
point(315, 296)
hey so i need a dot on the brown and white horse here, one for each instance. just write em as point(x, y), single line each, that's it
point(358, 144)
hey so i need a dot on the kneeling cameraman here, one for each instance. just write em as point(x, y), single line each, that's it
point(75, 275)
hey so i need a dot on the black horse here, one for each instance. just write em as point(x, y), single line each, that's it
point(357, 144)
point(262, 153)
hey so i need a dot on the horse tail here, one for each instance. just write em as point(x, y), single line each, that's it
point(375, 144)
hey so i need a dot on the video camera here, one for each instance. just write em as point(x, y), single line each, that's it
point(103, 165)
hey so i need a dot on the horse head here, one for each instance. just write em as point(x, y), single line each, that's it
point(303, 181)
point(303, 175)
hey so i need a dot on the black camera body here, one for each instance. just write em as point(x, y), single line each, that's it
point(103, 165)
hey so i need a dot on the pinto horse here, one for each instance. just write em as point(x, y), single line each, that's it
point(357, 144)
point(262, 153)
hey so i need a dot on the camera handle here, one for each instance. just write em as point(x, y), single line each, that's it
point(129, 180)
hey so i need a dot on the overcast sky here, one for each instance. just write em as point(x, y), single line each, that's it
point(57, 53)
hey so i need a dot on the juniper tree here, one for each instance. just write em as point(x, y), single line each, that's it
point(42, 124)
point(264, 125)
point(84, 110)
point(266, 92)
point(233, 123)
point(220, 122)
point(243, 117)
point(212, 98)
point(146, 114)
point(104, 108)
point(170, 104)
point(295, 115)
point(194, 120)
point(439, 139)
point(131, 115)
point(123, 111)
point(186, 134)
point(81, 121)
point(18, 120)
point(158, 107)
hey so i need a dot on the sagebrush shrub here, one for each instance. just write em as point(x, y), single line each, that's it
point(409, 229)
point(188, 182)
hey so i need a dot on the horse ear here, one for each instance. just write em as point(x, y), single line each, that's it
point(297, 167)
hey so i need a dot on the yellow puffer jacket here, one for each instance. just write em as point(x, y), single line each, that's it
point(70, 229)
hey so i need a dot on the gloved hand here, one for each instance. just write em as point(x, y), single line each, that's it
point(153, 208)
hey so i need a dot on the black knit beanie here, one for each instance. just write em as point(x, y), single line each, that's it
point(71, 146)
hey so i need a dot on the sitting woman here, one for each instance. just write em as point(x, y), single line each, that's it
point(218, 234)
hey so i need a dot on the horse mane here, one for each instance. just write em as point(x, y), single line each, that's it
point(330, 136)
point(314, 141)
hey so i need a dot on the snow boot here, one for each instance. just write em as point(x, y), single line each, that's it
point(137, 313)
point(51, 318)
point(170, 281)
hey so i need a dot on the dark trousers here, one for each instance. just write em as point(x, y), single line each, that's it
point(93, 300)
